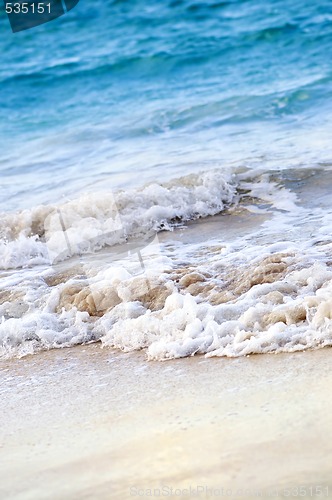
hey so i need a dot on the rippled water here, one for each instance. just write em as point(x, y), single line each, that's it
point(125, 119)
point(120, 92)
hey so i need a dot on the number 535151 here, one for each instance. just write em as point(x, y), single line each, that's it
point(26, 8)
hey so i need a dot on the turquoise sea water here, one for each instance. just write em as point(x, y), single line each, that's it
point(124, 119)
point(118, 92)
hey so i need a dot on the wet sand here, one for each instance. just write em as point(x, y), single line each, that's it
point(93, 423)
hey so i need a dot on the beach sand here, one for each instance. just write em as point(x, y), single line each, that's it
point(94, 423)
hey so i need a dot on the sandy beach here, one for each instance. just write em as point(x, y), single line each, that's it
point(91, 423)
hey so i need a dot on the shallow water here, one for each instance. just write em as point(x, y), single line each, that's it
point(254, 279)
point(165, 179)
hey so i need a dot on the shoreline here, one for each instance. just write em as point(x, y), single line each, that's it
point(87, 422)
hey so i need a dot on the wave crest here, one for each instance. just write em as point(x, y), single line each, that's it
point(56, 232)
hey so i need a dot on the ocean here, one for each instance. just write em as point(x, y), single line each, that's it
point(165, 179)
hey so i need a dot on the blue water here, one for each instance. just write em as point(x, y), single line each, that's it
point(116, 93)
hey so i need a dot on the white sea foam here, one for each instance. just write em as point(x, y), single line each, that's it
point(266, 291)
point(53, 233)
point(292, 311)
